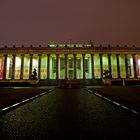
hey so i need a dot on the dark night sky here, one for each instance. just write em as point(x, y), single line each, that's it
point(39, 21)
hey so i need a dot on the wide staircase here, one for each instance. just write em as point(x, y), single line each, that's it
point(70, 83)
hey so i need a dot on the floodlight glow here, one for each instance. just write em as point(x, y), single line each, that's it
point(17, 67)
point(44, 68)
point(35, 62)
point(18, 61)
point(8, 62)
point(139, 62)
point(131, 61)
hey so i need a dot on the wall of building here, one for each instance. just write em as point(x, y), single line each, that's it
point(69, 67)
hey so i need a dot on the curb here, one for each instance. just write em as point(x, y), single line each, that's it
point(115, 103)
point(22, 102)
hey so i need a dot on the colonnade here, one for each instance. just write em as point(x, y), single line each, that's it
point(69, 66)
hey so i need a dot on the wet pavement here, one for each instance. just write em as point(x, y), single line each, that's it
point(68, 114)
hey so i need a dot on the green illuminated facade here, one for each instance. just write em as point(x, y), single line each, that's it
point(69, 61)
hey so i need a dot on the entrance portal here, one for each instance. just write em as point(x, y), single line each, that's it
point(70, 68)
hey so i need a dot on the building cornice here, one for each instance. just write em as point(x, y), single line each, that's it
point(65, 50)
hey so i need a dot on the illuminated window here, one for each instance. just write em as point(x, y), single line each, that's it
point(52, 66)
point(122, 66)
point(17, 67)
point(114, 66)
point(9, 67)
point(97, 69)
point(61, 66)
point(70, 66)
point(105, 62)
point(26, 67)
point(88, 72)
point(44, 68)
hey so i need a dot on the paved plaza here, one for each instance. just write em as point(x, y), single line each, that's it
point(68, 114)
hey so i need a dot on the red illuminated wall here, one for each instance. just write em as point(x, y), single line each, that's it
point(2, 68)
point(137, 66)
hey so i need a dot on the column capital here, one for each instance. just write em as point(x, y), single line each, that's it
point(39, 54)
point(133, 55)
point(14, 54)
point(57, 54)
point(22, 54)
point(126, 55)
point(5, 55)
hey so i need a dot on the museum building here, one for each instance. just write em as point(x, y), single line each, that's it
point(69, 62)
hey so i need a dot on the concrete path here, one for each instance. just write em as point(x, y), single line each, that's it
point(68, 114)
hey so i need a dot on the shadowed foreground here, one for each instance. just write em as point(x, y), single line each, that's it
point(68, 114)
point(10, 96)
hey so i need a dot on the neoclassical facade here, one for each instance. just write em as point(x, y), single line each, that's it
point(69, 61)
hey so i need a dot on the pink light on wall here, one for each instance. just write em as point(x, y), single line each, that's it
point(137, 60)
point(2, 68)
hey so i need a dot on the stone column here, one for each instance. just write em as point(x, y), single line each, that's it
point(75, 66)
point(39, 66)
point(118, 65)
point(5, 66)
point(57, 72)
point(31, 63)
point(13, 66)
point(134, 65)
point(84, 76)
point(109, 63)
point(48, 67)
point(101, 65)
point(92, 65)
point(126, 66)
point(66, 55)
point(22, 66)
